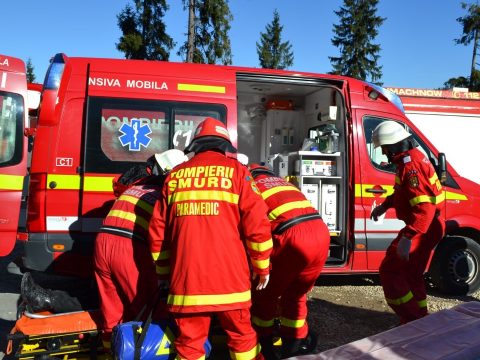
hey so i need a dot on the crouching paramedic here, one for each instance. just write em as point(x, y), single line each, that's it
point(416, 198)
point(210, 212)
point(301, 241)
point(124, 271)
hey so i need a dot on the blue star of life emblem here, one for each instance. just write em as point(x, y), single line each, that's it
point(135, 135)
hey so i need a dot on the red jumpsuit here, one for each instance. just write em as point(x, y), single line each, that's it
point(298, 256)
point(416, 198)
point(210, 213)
point(124, 270)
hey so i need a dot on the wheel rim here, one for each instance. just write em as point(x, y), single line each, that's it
point(463, 266)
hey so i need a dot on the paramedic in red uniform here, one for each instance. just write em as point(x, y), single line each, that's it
point(124, 271)
point(301, 242)
point(207, 233)
point(416, 199)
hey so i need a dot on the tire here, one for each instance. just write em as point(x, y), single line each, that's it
point(455, 267)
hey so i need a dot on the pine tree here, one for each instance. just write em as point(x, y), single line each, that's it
point(471, 27)
point(354, 37)
point(30, 71)
point(272, 52)
point(208, 26)
point(144, 32)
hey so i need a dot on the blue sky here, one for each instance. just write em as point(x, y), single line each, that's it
point(417, 38)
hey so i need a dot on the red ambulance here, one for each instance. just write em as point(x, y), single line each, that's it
point(98, 117)
point(13, 147)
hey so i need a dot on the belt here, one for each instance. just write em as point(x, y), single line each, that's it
point(122, 232)
point(294, 221)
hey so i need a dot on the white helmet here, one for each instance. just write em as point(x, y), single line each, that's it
point(168, 159)
point(389, 133)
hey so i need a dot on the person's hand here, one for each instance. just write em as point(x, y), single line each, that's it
point(403, 248)
point(262, 281)
point(377, 212)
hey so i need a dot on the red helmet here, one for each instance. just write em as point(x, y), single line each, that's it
point(257, 169)
point(211, 127)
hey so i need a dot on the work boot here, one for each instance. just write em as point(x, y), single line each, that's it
point(268, 349)
point(37, 298)
point(295, 347)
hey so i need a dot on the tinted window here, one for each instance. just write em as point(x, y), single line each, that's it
point(11, 128)
point(120, 132)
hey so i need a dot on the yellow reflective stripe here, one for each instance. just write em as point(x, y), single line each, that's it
point(261, 264)
point(178, 357)
point(430, 199)
point(203, 195)
point(246, 355)
point(66, 182)
point(266, 194)
point(360, 190)
point(11, 182)
point(262, 323)
point(98, 183)
point(260, 246)
point(397, 180)
point(199, 300)
point(129, 216)
point(137, 202)
point(292, 323)
point(90, 183)
point(400, 300)
point(201, 88)
point(287, 207)
point(455, 196)
point(433, 179)
point(161, 255)
point(422, 303)
point(162, 270)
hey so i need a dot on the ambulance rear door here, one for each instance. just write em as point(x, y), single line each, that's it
point(13, 159)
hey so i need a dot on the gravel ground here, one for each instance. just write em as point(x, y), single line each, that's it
point(343, 309)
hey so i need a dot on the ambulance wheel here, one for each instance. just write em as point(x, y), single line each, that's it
point(455, 267)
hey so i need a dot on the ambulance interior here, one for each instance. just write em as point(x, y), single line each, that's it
point(298, 129)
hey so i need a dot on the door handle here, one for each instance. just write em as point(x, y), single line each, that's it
point(376, 191)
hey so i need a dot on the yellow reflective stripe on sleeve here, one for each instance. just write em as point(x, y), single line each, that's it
point(261, 264)
point(266, 245)
point(292, 323)
point(137, 202)
point(262, 323)
point(400, 300)
point(201, 88)
point(246, 355)
point(164, 255)
point(266, 194)
point(425, 198)
point(129, 216)
point(203, 195)
point(218, 299)
point(287, 207)
point(422, 303)
point(433, 179)
point(11, 182)
point(162, 270)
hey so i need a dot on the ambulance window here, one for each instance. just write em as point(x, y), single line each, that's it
point(186, 121)
point(11, 128)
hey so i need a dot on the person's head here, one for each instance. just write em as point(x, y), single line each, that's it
point(211, 134)
point(392, 138)
point(257, 170)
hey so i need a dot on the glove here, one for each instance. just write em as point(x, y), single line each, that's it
point(403, 248)
point(377, 212)
point(262, 282)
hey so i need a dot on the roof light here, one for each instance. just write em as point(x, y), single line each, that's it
point(54, 73)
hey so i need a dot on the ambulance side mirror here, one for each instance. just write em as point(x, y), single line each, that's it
point(442, 168)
